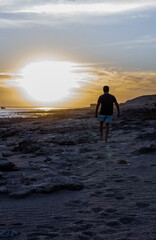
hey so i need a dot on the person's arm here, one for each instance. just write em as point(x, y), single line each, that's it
point(118, 109)
point(97, 108)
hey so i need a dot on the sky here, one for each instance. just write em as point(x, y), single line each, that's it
point(109, 42)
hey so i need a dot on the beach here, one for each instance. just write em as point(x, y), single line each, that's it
point(58, 180)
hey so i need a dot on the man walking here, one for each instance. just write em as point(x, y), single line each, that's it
point(106, 101)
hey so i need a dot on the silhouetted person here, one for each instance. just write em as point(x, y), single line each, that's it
point(106, 101)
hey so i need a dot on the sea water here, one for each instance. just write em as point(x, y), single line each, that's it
point(26, 112)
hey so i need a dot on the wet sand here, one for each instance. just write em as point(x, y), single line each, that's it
point(58, 180)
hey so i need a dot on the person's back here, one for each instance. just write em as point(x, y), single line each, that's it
point(106, 101)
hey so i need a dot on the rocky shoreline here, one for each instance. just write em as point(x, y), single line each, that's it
point(59, 181)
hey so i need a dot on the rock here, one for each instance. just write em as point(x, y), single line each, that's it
point(44, 169)
point(45, 188)
point(50, 188)
point(3, 190)
point(8, 235)
point(4, 138)
point(97, 209)
point(9, 133)
point(66, 142)
point(48, 159)
point(2, 181)
point(151, 136)
point(111, 210)
point(74, 186)
point(122, 162)
point(112, 223)
point(85, 149)
point(27, 146)
point(145, 150)
point(142, 205)
point(127, 219)
point(83, 140)
point(21, 193)
point(7, 166)
point(6, 154)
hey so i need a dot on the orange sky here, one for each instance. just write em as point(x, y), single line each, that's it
point(113, 42)
point(124, 85)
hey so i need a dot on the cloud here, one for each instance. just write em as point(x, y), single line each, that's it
point(6, 79)
point(123, 84)
point(89, 35)
point(93, 8)
point(5, 76)
point(75, 7)
point(143, 40)
point(14, 13)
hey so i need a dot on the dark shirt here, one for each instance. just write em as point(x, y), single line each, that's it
point(106, 101)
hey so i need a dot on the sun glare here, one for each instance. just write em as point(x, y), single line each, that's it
point(50, 81)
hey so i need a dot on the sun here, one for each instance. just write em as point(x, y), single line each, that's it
point(50, 81)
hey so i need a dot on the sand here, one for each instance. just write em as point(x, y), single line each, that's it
point(58, 180)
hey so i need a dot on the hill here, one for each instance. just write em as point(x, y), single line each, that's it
point(146, 101)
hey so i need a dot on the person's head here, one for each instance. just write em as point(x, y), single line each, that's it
point(106, 89)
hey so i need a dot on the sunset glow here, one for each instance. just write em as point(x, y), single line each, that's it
point(49, 81)
point(61, 53)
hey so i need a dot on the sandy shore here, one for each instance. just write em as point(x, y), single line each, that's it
point(59, 181)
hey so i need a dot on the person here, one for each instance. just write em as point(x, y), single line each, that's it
point(106, 101)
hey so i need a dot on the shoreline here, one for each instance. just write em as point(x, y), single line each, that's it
point(59, 181)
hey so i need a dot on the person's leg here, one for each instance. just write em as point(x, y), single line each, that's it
point(101, 129)
point(106, 131)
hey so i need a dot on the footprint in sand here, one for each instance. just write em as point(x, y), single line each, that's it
point(107, 212)
point(97, 209)
point(81, 237)
point(17, 224)
point(79, 222)
point(111, 210)
point(110, 195)
point(104, 214)
point(127, 219)
point(108, 231)
point(80, 228)
point(2, 224)
point(113, 223)
point(46, 226)
point(119, 197)
point(89, 233)
point(38, 236)
point(142, 205)
point(122, 162)
point(120, 180)
point(33, 238)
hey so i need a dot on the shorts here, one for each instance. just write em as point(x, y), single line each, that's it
point(105, 118)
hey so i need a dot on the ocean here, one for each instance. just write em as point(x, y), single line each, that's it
point(26, 112)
